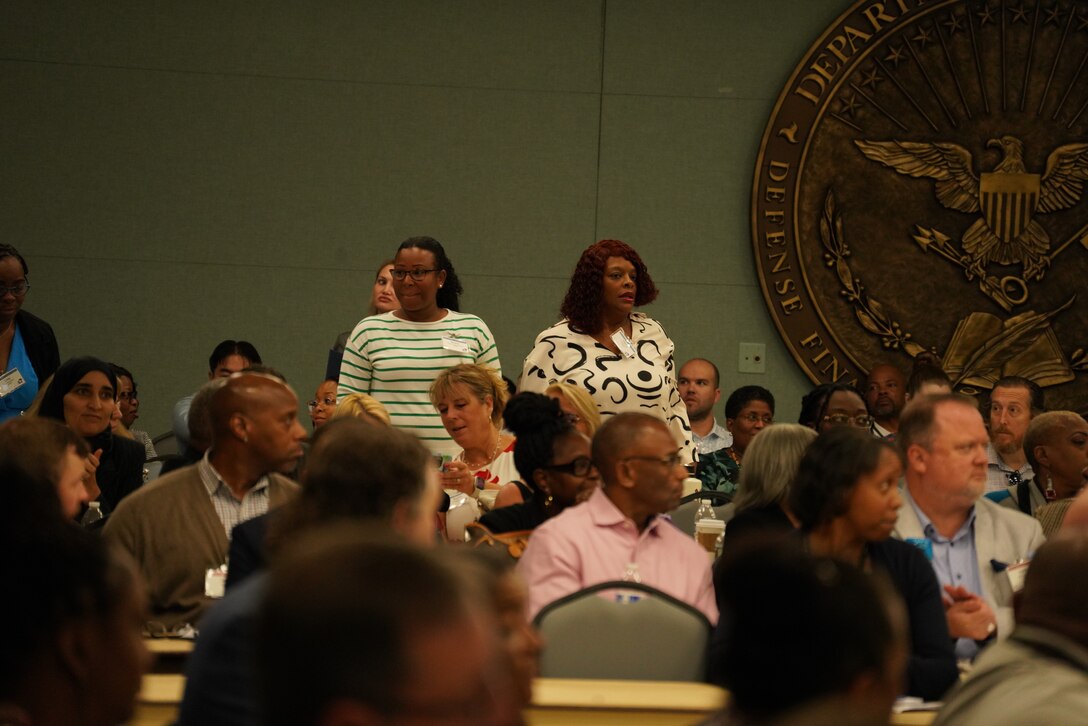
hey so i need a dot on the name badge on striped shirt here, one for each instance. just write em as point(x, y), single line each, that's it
point(451, 342)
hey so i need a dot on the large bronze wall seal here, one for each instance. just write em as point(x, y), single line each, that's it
point(921, 187)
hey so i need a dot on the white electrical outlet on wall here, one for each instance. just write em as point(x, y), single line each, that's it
point(753, 358)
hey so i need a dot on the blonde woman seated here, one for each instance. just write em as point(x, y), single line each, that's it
point(470, 399)
point(360, 405)
point(576, 403)
point(579, 411)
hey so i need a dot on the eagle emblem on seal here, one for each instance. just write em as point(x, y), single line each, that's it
point(1009, 197)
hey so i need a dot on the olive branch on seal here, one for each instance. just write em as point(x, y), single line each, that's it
point(869, 311)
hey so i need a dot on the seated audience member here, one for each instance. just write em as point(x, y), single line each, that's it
point(812, 404)
point(842, 405)
point(129, 403)
point(927, 380)
point(353, 454)
point(470, 399)
point(1056, 447)
point(808, 640)
point(554, 460)
point(179, 526)
point(73, 654)
point(969, 540)
point(846, 497)
point(357, 630)
point(577, 404)
point(358, 473)
point(1039, 675)
point(748, 410)
point(1076, 517)
point(83, 395)
point(324, 403)
point(383, 299)
point(762, 499)
point(200, 427)
point(228, 358)
point(1013, 403)
point(697, 384)
point(885, 395)
point(360, 405)
point(510, 599)
point(621, 524)
point(52, 452)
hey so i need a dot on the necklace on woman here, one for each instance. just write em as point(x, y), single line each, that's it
point(488, 460)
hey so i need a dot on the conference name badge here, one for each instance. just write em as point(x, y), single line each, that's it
point(452, 342)
point(215, 582)
point(11, 382)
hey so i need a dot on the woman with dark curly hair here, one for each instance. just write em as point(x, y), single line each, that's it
point(395, 356)
point(553, 459)
point(622, 358)
point(846, 496)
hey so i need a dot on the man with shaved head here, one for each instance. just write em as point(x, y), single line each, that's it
point(178, 529)
point(621, 524)
point(1040, 674)
point(885, 396)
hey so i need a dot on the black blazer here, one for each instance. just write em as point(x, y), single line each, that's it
point(247, 553)
point(41, 344)
point(120, 470)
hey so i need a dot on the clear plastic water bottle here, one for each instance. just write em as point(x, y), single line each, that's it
point(92, 515)
point(705, 510)
point(630, 574)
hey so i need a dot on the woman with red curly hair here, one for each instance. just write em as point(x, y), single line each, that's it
point(622, 358)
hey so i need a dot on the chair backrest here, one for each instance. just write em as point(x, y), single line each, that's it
point(153, 467)
point(656, 637)
point(684, 515)
point(166, 444)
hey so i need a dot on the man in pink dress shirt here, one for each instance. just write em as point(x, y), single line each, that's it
point(621, 523)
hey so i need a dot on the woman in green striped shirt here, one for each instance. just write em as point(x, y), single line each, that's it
point(395, 357)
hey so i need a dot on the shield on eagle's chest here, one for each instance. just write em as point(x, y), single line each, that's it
point(1008, 201)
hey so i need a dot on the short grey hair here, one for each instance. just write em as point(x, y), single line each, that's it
point(770, 464)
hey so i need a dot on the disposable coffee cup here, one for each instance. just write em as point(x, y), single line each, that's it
point(707, 532)
point(691, 485)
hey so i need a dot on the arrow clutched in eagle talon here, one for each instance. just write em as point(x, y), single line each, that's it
point(1081, 235)
point(932, 240)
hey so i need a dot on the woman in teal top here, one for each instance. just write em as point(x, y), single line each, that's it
point(28, 348)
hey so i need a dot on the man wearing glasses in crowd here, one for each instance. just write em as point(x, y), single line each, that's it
point(621, 524)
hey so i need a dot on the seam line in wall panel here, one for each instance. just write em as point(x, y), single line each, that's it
point(301, 79)
point(600, 126)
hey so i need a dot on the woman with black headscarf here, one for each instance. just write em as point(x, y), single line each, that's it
point(83, 395)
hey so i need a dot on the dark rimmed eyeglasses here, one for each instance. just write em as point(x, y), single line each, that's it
point(416, 275)
point(863, 421)
point(580, 466)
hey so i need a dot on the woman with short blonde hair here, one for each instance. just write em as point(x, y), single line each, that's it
point(470, 399)
point(360, 405)
point(576, 402)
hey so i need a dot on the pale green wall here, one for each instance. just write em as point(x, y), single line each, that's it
point(182, 172)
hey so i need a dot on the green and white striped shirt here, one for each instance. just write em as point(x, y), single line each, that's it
point(395, 361)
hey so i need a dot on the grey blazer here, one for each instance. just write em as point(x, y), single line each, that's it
point(1002, 535)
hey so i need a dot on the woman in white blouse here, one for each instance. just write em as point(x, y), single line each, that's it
point(622, 358)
